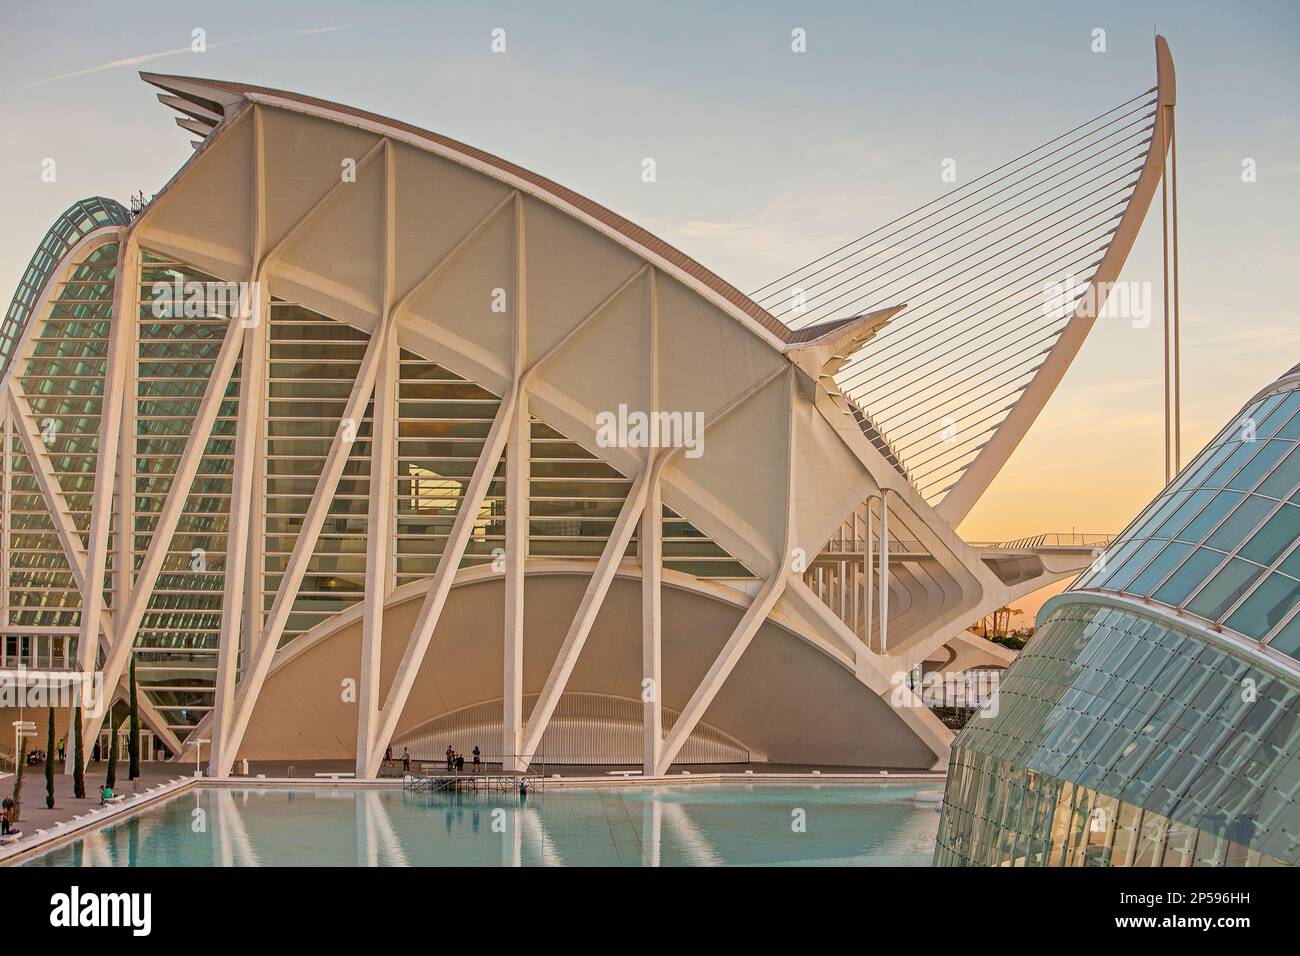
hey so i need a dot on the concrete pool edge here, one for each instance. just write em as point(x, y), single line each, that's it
point(151, 799)
point(63, 833)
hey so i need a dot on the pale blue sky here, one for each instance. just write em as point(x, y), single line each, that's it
point(765, 158)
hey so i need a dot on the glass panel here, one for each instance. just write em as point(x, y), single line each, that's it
point(1178, 520)
point(1188, 577)
point(1278, 533)
point(1157, 569)
point(1278, 416)
point(1271, 602)
point(1284, 477)
point(1240, 455)
point(1240, 523)
point(1287, 640)
point(1227, 585)
point(1201, 525)
point(1255, 469)
point(1126, 572)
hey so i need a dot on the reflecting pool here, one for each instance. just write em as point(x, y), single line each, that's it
point(687, 825)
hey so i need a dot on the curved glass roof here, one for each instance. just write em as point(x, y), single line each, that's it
point(1220, 542)
point(82, 217)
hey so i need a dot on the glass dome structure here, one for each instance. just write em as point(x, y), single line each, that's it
point(1154, 720)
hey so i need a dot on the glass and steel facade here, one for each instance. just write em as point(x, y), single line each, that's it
point(1154, 720)
point(80, 219)
point(442, 423)
point(1220, 543)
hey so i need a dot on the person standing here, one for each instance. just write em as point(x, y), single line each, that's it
point(406, 760)
point(477, 755)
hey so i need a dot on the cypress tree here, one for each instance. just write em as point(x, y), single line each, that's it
point(49, 764)
point(110, 780)
point(78, 755)
point(133, 744)
point(18, 781)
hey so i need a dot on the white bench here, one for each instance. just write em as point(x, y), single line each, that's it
point(336, 776)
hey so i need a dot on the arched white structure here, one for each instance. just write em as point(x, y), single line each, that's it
point(407, 295)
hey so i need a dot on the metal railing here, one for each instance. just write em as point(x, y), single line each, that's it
point(858, 545)
point(40, 651)
point(1053, 539)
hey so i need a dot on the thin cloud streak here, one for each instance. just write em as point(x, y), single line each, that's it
point(147, 57)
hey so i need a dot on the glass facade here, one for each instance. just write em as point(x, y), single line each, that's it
point(1154, 719)
point(443, 421)
point(80, 219)
point(64, 385)
point(1221, 541)
point(177, 343)
point(1119, 739)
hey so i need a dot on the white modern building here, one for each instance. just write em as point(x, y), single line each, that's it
point(357, 436)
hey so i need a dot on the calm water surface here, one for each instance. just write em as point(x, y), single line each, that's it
point(697, 825)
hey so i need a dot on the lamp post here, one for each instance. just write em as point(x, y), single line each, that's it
point(22, 728)
point(198, 756)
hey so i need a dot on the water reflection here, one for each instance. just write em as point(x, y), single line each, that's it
point(693, 825)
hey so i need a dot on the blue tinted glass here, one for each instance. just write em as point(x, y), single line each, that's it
point(1260, 413)
point(1194, 503)
point(1201, 525)
point(1188, 577)
point(1211, 462)
point(1223, 590)
point(1155, 572)
point(1291, 565)
point(1126, 571)
point(1291, 429)
point(1271, 602)
point(1240, 523)
point(1275, 537)
point(1268, 454)
point(1284, 476)
point(1109, 561)
point(1287, 640)
point(1240, 455)
point(1278, 416)
point(1158, 512)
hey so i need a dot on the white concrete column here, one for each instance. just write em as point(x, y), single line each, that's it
point(651, 548)
point(380, 528)
point(518, 473)
point(243, 490)
point(868, 581)
point(884, 571)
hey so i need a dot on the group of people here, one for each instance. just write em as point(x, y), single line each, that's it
point(35, 757)
point(455, 761)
